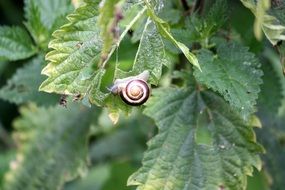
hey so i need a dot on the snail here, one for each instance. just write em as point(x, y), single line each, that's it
point(133, 90)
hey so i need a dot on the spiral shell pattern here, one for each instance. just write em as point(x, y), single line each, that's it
point(136, 92)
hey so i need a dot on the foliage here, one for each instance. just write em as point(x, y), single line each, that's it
point(15, 44)
point(272, 116)
point(234, 73)
point(208, 113)
point(187, 150)
point(23, 86)
point(59, 155)
point(273, 29)
point(40, 23)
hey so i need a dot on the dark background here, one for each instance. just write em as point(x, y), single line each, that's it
point(11, 14)
point(8, 6)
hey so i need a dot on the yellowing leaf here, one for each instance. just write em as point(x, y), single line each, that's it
point(271, 26)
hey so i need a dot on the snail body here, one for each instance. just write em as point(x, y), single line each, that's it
point(133, 90)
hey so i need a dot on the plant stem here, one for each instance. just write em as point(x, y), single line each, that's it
point(122, 36)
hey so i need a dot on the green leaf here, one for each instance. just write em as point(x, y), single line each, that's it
point(15, 44)
point(234, 73)
point(74, 60)
point(164, 30)
point(44, 16)
point(272, 116)
point(150, 56)
point(200, 29)
point(277, 10)
point(95, 180)
point(170, 13)
point(259, 181)
point(52, 147)
point(76, 50)
point(271, 26)
point(122, 142)
point(111, 176)
point(274, 60)
point(177, 158)
point(5, 158)
point(215, 18)
point(272, 136)
point(120, 172)
point(270, 97)
point(23, 86)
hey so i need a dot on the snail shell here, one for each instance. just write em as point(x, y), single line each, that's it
point(136, 92)
point(133, 90)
